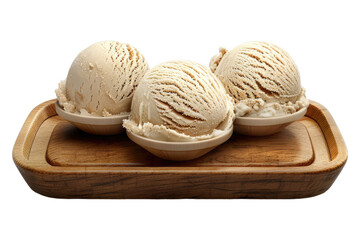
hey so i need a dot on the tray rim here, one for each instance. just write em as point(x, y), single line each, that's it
point(46, 110)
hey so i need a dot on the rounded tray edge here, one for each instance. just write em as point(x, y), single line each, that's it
point(26, 135)
point(47, 109)
point(323, 117)
point(38, 112)
point(68, 187)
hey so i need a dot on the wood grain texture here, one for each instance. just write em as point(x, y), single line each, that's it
point(69, 146)
point(57, 160)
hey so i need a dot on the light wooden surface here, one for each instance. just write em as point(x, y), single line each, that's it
point(81, 149)
point(57, 160)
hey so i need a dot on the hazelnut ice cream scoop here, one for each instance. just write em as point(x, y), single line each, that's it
point(102, 79)
point(180, 101)
point(262, 79)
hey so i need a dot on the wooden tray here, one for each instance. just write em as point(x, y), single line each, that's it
point(58, 160)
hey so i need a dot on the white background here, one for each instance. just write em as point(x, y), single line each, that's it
point(39, 40)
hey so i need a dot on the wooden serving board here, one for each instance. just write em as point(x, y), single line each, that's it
point(58, 160)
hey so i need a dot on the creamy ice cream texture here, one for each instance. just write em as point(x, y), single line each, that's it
point(102, 79)
point(180, 101)
point(262, 79)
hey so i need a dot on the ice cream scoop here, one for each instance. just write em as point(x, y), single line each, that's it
point(102, 79)
point(262, 79)
point(180, 101)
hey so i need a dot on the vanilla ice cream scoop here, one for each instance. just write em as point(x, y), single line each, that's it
point(180, 101)
point(262, 79)
point(102, 79)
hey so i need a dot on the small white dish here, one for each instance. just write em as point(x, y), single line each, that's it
point(179, 151)
point(265, 126)
point(94, 125)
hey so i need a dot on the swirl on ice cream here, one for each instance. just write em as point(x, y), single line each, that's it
point(180, 101)
point(262, 79)
point(102, 79)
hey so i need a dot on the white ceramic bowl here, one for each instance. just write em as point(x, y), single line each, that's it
point(179, 151)
point(265, 126)
point(94, 125)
